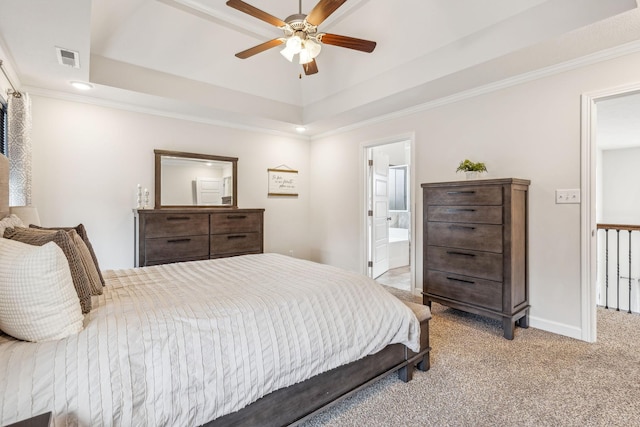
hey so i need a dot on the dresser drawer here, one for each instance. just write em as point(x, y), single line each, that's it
point(467, 214)
point(465, 195)
point(480, 292)
point(239, 222)
point(235, 243)
point(176, 248)
point(176, 224)
point(484, 265)
point(481, 237)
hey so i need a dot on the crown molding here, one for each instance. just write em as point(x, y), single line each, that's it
point(119, 105)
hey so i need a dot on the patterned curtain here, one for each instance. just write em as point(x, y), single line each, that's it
point(19, 149)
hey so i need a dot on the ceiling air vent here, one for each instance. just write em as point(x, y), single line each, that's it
point(67, 57)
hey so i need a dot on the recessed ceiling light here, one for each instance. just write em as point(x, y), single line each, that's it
point(81, 85)
point(301, 129)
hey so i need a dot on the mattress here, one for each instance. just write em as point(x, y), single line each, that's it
point(182, 344)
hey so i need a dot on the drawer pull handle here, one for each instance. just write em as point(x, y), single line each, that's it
point(178, 240)
point(460, 253)
point(178, 218)
point(461, 210)
point(236, 216)
point(471, 282)
point(237, 236)
point(463, 227)
point(461, 192)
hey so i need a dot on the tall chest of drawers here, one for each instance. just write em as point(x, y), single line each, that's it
point(173, 235)
point(475, 248)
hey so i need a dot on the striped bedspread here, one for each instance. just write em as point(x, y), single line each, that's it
point(182, 344)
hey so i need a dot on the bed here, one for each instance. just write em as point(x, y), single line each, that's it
point(252, 340)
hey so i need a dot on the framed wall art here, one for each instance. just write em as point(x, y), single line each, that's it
point(282, 182)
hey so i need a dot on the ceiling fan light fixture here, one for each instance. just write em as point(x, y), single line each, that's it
point(287, 53)
point(304, 57)
point(313, 48)
point(294, 44)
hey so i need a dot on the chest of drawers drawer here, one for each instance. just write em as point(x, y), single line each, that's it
point(480, 292)
point(222, 223)
point(465, 196)
point(482, 237)
point(175, 224)
point(466, 214)
point(172, 248)
point(234, 243)
point(484, 265)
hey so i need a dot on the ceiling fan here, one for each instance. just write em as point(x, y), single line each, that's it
point(301, 36)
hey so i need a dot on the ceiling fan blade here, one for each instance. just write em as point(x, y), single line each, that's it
point(256, 13)
point(348, 42)
point(310, 67)
point(259, 48)
point(322, 10)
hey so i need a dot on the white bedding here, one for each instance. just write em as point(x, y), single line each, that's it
point(182, 344)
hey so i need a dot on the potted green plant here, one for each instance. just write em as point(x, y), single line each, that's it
point(471, 169)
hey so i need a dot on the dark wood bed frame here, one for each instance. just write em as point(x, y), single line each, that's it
point(293, 404)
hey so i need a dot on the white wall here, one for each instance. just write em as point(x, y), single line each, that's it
point(88, 160)
point(530, 131)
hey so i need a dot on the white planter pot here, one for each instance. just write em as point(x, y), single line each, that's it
point(472, 174)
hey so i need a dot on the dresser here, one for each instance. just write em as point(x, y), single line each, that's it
point(172, 235)
point(475, 248)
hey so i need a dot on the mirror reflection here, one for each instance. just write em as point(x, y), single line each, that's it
point(187, 179)
point(398, 192)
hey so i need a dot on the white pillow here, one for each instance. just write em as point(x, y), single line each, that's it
point(10, 221)
point(38, 301)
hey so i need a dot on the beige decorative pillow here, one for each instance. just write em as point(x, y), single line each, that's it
point(85, 256)
point(61, 238)
point(38, 301)
point(81, 230)
point(10, 221)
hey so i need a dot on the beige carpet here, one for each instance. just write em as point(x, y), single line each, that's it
point(478, 378)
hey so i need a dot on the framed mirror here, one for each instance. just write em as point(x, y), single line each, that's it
point(184, 180)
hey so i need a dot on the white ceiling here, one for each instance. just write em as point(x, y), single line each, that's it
point(177, 56)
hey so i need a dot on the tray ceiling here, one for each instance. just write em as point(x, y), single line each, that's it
point(177, 56)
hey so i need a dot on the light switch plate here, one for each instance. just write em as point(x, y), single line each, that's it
point(568, 196)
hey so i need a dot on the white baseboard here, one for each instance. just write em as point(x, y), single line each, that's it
point(556, 328)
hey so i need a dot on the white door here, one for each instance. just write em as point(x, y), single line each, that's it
point(380, 208)
point(208, 191)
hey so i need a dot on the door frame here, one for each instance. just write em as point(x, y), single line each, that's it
point(588, 244)
point(364, 240)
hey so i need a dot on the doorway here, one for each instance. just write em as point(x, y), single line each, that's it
point(591, 211)
point(388, 212)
